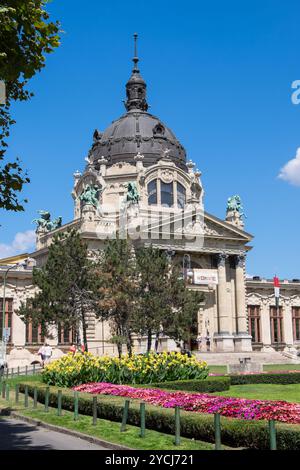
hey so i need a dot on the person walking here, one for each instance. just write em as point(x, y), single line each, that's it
point(47, 353)
point(41, 352)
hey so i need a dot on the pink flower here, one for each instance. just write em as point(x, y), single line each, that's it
point(202, 403)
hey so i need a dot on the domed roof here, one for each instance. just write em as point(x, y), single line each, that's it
point(137, 131)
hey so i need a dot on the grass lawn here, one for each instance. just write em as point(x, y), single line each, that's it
point(218, 369)
point(289, 392)
point(106, 430)
point(281, 367)
point(223, 369)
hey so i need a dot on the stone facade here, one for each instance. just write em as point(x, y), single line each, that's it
point(137, 182)
point(274, 329)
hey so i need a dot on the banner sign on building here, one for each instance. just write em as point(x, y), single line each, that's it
point(205, 276)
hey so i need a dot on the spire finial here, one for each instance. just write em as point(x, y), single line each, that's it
point(136, 86)
point(135, 58)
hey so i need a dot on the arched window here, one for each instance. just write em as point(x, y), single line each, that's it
point(152, 193)
point(166, 194)
point(181, 196)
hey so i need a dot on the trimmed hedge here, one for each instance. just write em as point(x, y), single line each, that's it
point(235, 433)
point(283, 379)
point(209, 385)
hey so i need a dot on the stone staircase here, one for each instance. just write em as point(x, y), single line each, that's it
point(273, 357)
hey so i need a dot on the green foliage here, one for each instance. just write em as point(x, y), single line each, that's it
point(153, 304)
point(292, 378)
point(209, 385)
point(116, 284)
point(234, 432)
point(26, 35)
point(141, 293)
point(70, 370)
point(65, 286)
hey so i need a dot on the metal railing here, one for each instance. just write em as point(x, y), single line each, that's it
point(9, 373)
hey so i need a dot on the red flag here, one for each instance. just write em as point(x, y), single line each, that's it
point(276, 290)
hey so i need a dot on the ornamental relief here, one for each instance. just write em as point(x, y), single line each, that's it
point(121, 167)
point(267, 300)
point(166, 176)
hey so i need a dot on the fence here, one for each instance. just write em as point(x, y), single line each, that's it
point(7, 373)
point(142, 416)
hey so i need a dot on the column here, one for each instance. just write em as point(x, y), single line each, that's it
point(243, 341)
point(265, 326)
point(223, 339)
point(288, 327)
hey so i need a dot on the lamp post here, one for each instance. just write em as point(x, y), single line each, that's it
point(186, 267)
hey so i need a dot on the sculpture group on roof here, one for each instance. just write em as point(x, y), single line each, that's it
point(132, 195)
point(90, 195)
point(234, 203)
point(45, 223)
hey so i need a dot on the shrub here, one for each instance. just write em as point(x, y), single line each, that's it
point(283, 379)
point(74, 370)
point(209, 385)
point(234, 432)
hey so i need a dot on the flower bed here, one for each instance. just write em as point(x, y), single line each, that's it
point(203, 403)
point(76, 369)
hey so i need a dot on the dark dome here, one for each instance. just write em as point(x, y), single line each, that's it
point(137, 131)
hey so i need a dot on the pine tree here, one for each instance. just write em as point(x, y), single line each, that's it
point(117, 290)
point(181, 324)
point(65, 286)
point(153, 302)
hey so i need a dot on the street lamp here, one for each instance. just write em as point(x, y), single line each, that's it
point(24, 264)
point(187, 272)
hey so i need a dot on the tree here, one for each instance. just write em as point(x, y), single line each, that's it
point(116, 277)
point(164, 305)
point(26, 35)
point(180, 325)
point(153, 300)
point(65, 285)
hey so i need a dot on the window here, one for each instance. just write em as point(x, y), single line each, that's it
point(254, 322)
point(65, 335)
point(181, 196)
point(152, 192)
point(276, 325)
point(8, 316)
point(296, 323)
point(34, 333)
point(166, 194)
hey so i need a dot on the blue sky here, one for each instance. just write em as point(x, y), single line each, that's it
point(219, 74)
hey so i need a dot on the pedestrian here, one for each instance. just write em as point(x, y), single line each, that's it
point(41, 352)
point(48, 353)
point(208, 343)
point(73, 349)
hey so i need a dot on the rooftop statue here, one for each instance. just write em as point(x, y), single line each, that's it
point(44, 222)
point(90, 195)
point(234, 203)
point(132, 193)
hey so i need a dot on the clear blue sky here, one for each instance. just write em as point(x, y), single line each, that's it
point(218, 73)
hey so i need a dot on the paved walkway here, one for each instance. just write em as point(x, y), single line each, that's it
point(18, 435)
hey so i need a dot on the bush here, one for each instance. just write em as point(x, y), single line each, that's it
point(209, 385)
point(234, 432)
point(283, 379)
point(71, 370)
